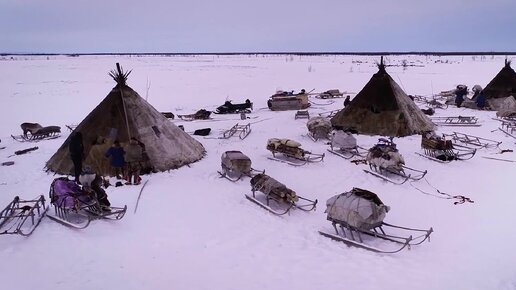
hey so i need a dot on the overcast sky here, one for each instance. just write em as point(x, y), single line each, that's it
point(117, 26)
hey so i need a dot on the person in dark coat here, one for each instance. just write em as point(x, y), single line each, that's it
point(459, 95)
point(347, 101)
point(117, 161)
point(76, 149)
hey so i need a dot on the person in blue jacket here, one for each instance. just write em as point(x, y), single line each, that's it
point(117, 161)
point(481, 101)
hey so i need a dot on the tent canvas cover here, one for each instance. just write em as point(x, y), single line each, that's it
point(383, 108)
point(501, 86)
point(121, 115)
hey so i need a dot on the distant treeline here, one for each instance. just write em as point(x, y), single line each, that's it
point(438, 53)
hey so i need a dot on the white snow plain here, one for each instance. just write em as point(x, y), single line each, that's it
point(195, 230)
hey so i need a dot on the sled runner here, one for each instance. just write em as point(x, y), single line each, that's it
point(283, 198)
point(470, 140)
point(22, 216)
point(385, 160)
point(466, 121)
point(319, 128)
point(202, 114)
point(244, 131)
point(236, 165)
point(283, 101)
point(344, 144)
point(441, 150)
point(293, 152)
point(229, 108)
point(76, 208)
point(359, 213)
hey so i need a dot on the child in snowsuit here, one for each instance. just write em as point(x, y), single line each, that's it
point(116, 153)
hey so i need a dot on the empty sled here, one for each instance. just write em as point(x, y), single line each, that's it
point(22, 216)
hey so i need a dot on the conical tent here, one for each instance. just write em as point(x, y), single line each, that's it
point(501, 86)
point(382, 108)
point(123, 114)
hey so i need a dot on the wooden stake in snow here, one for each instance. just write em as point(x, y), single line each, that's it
point(139, 195)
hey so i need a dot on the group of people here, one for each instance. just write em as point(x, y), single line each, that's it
point(125, 161)
point(478, 97)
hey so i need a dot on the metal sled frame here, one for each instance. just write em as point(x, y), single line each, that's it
point(382, 172)
point(348, 153)
point(470, 121)
point(309, 206)
point(302, 114)
point(22, 216)
point(296, 161)
point(355, 236)
point(244, 130)
point(508, 127)
point(479, 142)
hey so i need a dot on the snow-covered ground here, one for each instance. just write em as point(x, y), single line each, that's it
point(194, 230)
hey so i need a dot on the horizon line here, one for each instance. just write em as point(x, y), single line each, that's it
point(439, 53)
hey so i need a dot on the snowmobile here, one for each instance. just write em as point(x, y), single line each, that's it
point(236, 165)
point(359, 213)
point(22, 216)
point(229, 108)
point(283, 101)
point(284, 198)
point(293, 152)
point(344, 144)
point(319, 128)
point(384, 159)
point(439, 149)
point(76, 208)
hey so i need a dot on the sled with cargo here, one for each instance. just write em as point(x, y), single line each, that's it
point(290, 152)
point(283, 101)
point(319, 128)
point(235, 165)
point(202, 114)
point(357, 219)
point(344, 144)
point(33, 132)
point(437, 148)
point(21, 216)
point(277, 198)
point(387, 163)
point(76, 208)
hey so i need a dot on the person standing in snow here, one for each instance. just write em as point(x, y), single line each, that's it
point(133, 159)
point(347, 101)
point(76, 149)
point(116, 153)
point(481, 101)
point(460, 92)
